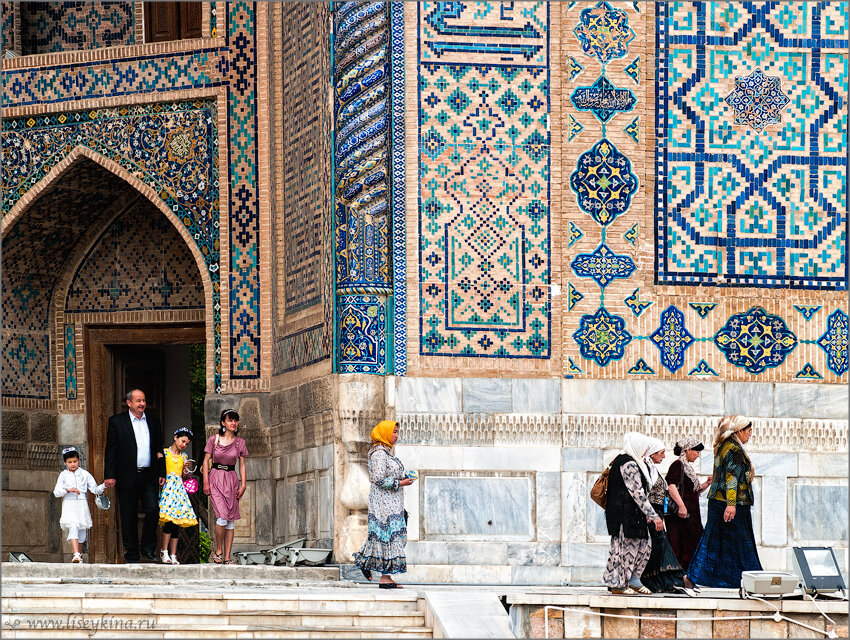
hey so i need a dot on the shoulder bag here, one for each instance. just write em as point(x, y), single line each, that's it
point(599, 490)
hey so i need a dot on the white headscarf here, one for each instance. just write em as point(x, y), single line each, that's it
point(655, 445)
point(636, 446)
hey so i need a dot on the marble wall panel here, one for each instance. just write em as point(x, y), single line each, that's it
point(774, 528)
point(548, 487)
point(434, 395)
point(819, 511)
point(486, 395)
point(684, 398)
point(810, 401)
point(478, 508)
point(574, 507)
point(749, 399)
point(536, 395)
point(603, 396)
point(575, 459)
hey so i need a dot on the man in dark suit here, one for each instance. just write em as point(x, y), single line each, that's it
point(135, 466)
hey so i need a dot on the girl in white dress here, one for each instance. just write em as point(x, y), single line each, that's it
point(71, 486)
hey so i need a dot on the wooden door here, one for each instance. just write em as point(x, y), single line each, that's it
point(117, 359)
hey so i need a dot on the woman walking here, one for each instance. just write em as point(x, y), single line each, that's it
point(627, 514)
point(221, 484)
point(663, 573)
point(384, 548)
point(684, 521)
point(728, 546)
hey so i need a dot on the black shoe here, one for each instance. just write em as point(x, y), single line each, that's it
point(149, 557)
point(131, 560)
point(366, 574)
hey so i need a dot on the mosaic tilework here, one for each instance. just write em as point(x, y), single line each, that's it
point(70, 362)
point(604, 185)
point(7, 26)
point(34, 245)
point(26, 364)
point(173, 148)
point(47, 27)
point(399, 253)
point(751, 158)
point(362, 168)
point(243, 213)
point(139, 263)
point(680, 332)
point(484, 219)
point(307, 152)
point(362, 325)
point(303, 276)
point(232, 66)
point(300, 349)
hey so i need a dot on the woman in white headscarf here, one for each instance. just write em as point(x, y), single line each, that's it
point(627, 513)
point(662, 573)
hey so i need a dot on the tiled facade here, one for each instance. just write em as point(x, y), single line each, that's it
point(525, 215)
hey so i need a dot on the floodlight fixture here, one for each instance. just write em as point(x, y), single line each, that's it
point(818, 569)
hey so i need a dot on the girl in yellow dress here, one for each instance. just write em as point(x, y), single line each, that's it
point(175, 508)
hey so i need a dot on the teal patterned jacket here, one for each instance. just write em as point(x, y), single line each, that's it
point(732, 481)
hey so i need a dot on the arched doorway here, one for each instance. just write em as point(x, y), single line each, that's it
point(100, 291)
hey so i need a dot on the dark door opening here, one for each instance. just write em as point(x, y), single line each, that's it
point(163, 362)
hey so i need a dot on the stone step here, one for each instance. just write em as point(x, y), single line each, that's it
point(164, 573)
point(213, 631)
point(187, 618)
point(234, 603)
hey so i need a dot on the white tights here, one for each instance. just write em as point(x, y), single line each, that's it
point(77, 534)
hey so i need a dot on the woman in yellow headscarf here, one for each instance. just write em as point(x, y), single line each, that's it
point(384, 548)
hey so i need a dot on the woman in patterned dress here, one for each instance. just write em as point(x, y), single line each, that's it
point(684, 521)
point(627, 514)
point(384, 548)
point(175, 508)
point(663, 573)
point(728, 545)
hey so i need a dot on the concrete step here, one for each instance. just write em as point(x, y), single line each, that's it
point(132, 573)
point(253, 619)
point(214, 631)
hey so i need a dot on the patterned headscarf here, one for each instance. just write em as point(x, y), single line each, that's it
point(686, 444)
point(383, 433)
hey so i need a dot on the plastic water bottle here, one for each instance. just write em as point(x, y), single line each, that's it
point(665, 505)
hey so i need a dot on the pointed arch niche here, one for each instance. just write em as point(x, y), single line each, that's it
point(91, 244)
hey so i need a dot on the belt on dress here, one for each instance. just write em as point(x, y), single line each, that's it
point(224, 467)
point(142, 469)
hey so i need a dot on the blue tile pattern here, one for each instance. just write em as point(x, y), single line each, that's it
point(752, 179)
point(484, 171)
point(672, 338)
point(399, 206)
point(48, 27)
point(834, 342)
point(755, 340)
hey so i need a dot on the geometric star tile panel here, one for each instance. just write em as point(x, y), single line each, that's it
point(362, 327)
point(751, 157)
point(484, 162)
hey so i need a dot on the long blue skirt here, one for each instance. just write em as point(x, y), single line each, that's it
point(725, 549)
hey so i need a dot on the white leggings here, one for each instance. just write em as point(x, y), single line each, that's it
point(77, 534)
point(227, 524)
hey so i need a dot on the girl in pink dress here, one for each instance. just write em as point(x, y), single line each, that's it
point(221, 483)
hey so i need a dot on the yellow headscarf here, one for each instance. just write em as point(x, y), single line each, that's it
point(383, 432)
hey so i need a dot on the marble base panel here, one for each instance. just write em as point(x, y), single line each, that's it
point(482, 510)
